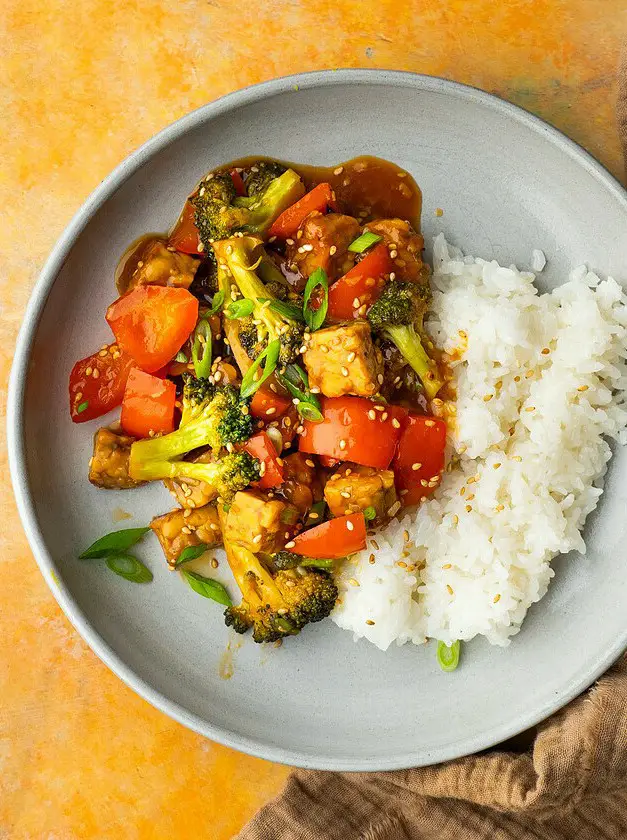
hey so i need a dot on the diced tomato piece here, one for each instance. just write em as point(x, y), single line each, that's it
point(420, 457)
point(263, 403)
point(291, 219)
point(97, 383)
point(151, 323)
point(184, 235)
point(364, 283)
point(238, 182)
point(354, 429)
point(148, 404)
point(260, 446)
point(336, 538)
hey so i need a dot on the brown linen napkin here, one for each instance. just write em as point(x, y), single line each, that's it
point(570, 785)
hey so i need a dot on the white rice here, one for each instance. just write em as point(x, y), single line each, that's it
point(529, 447)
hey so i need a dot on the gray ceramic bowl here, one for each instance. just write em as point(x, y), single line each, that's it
point(508, 183)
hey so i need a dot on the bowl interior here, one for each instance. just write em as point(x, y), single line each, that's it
point(506, 185)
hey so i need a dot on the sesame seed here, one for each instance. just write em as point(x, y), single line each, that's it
point(271, 410)
point(470, 497)
point(488, 397)
point(462, 491)
point(455, 519)
point(296, 401)
point(289, 241)
point(371, 560)
point(468, 508)
point(392, 511)
point(499, 508)
point(314, 389)
point(516, 458)
point(309, 462)
point(186, 513)
point(392, 275)
point(497, 465)
point(344, 371)
point(338, 171)
point(262, 469)
point(349, 525)
point(380, 379)
point(449, 589)
point(257, 539)
point(89, 371)
point(290, 544)
point(79, 396)
point(375, 545)
point(323, 348)
point(370, 622)
point(583, 388)
point(214, 563)
point(545, 351)
point(345, 494)
point(416, 466)
point(406, 536)
point(300, 430)
point(401, 564)
point(332, 250)
point(342, 444)
point(314, 515)
point(517, 379)
point(429, 423)
point(356, 303)
point(529, 374)
point(353, 582)
point(372, 415)
point(307, 247)
point(447, 566)
point(395, 423)
point(394, 253)
point(530, 408)
point(185, 530)
point(496, 599)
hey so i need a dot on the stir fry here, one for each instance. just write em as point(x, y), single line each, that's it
point(272, 369)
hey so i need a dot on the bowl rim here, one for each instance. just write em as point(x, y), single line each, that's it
point(415, 757)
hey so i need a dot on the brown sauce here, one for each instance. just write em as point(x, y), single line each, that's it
point(129, 260)
point(365, 187)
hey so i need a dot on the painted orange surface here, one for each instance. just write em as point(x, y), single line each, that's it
point(82, 83)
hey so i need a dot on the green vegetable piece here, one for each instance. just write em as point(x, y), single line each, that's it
point(129, 567)
point(191, 552)
point(297, 383)
point(208, 588)
point(181, 357)
point(370, 513)
point(269, 357)
point(82, 407)
point(316, 514)
point(314, 318)
point(202, 349)
point(448, 657)
point(117, 542)
point(239, 309)
point(216, 303)
point(288, 310)
point(363, 242)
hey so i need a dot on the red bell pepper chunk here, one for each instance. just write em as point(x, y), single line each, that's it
point(361, 285)
point(266, 405)
point(420, 457)
point(184, 236)
point(353, 429)
point(148, 404)
point(238, 182)
point(97, 383)
point(261, 447)
point(151, 323)
point(336, 538)
point(327, 462)
point(290, 220)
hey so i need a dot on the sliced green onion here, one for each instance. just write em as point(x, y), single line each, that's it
point(202, 349)
point(129, 567)
point(317, 563)
point(191, 552)
point(448, 657)
point(239, 309)
point(269, 357)
point(318, 509)
point(181, 357)
point(288, 310)
point(363, 242)
point(370, 513)
point(207, 587)
point(117, 542)
point(82, 407)
point(297, 383)
point(314, 318)
point(216, 303)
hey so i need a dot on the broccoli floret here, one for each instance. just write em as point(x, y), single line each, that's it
point(211, 416)
point(260, 175)
point(289, 560)
point(232, 473)
point(242, 255)
point(398, 315)
point(220, 212)
point(276, 605)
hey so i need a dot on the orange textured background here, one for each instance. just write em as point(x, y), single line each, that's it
point(82, 84)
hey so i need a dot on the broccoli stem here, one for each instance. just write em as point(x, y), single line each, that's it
point(408, 342)
point(165, 448)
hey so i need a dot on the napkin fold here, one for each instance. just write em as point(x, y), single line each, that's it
point(570, 783)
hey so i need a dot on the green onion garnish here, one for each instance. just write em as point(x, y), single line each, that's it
point(269, 357)
point(316, 513)
point(370, 513)
point(191, 552)
point(216, 303)
point(288, 310)
point(363, 242)
point(207, 587)
point(117, 542)
point(181, 357)
point(82, 407)
point(448, 657)
point(201, 349)
point(314, 318)
point(239, 309)
point(297, 383)
point(129, 567)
